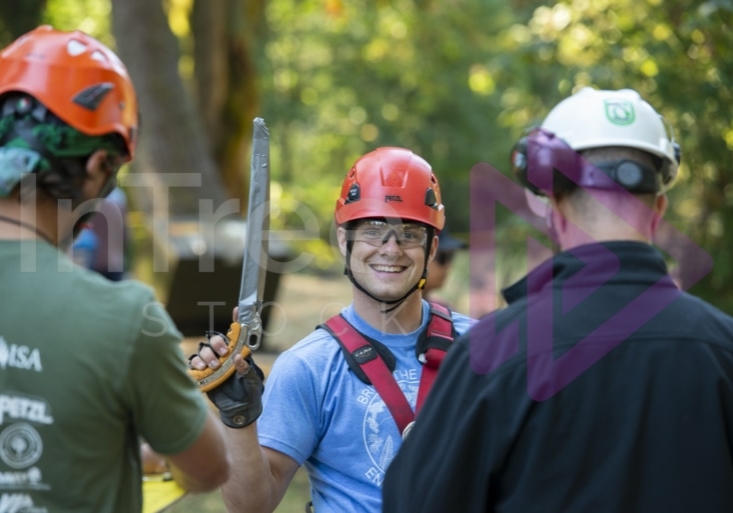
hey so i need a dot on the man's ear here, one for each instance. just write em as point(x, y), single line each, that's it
point(98, 167)
point(100, 173)
point(660, 204)
point(433, 248)
point(342, 239)
point(660, 207)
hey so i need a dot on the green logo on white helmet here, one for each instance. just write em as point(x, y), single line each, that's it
point(619, 112)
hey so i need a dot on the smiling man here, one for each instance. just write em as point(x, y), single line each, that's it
point(341, 400)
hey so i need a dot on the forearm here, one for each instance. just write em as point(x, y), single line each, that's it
point(188, 482)
point(205, 465)
point(259, 476)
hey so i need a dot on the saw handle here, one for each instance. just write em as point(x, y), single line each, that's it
point(200, 376)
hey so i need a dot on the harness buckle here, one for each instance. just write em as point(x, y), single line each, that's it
point(407, 429)
point(432, 357)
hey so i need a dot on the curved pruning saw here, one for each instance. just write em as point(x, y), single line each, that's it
point(246, 331)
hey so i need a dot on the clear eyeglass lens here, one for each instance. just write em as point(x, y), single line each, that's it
point(376, 233)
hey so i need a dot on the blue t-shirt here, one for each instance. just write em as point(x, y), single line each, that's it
point(320, 414)
point(84, 248)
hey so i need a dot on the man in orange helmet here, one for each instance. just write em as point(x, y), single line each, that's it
point(88, 367)
point(341, 400)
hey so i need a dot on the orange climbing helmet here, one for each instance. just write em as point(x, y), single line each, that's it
point(77, 78)
point(391, 182)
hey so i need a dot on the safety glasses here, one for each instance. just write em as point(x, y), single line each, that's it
point(376, 233)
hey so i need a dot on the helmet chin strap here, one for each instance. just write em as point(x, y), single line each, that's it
point(394, 303)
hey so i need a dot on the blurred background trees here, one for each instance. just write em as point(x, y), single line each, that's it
point(457, 81)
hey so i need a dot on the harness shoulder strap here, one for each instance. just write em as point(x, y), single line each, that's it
point(373, 363)
point(440, 331)
point(370, 362)
point(382, 350)
point(432, 348)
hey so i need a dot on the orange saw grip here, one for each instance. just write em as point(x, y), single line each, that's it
point(209, 378)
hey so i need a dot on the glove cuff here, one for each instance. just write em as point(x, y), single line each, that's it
point(239, 398)
point(242, 417)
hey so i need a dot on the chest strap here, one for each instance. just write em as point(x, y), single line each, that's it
point(368, 358)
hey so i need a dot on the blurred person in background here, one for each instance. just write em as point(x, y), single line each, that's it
point(440, 267)
point(103, 245)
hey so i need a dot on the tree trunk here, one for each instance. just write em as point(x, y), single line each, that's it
point(173, 143)
point(209, 30)
point(225, 32)
point(18, 17)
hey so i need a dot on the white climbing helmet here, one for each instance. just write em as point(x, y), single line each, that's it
point(598, 118)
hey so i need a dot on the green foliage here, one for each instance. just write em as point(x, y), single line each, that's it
point(344, 78)
point(679, 59)
point(90, 16)
point(458, 81)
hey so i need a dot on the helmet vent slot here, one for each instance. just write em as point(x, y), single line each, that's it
point(75, 47)
point(430, 199)
point(92, 96)
point(354, 194)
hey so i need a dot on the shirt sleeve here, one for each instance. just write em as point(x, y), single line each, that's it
point(291, 419)
point(462, 323)
point(169, 410)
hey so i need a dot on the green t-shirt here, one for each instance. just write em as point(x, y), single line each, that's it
point(87, 368)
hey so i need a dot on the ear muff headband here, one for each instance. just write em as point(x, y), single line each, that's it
point(546, 164)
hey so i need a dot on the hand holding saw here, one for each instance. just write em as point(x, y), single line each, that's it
point(245, 333)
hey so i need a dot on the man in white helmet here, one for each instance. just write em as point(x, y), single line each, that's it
point(601, 386)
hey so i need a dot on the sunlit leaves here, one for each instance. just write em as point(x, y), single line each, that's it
point(390, 112)
point(343, 77)
point(90, 16)
point(679, 57)
point(728, 137)
point(480, 80)
point(458, 81)
point(178, 16)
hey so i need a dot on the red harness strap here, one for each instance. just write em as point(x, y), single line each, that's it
point(440, 325)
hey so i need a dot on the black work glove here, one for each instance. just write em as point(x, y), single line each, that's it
point(239, 398)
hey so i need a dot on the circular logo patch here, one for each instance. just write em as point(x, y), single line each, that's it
point(381, 437)
point(20, 445)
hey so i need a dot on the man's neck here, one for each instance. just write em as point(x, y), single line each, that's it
point(598, 234)
point(27, 221)
point(406, 318)
point(611, 217)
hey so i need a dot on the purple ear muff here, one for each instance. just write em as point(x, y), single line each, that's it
point(547, 165)
point(538, 155)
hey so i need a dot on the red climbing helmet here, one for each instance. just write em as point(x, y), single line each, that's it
point(392, 183)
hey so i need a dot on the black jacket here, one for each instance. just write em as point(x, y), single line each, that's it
point(600, 388)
